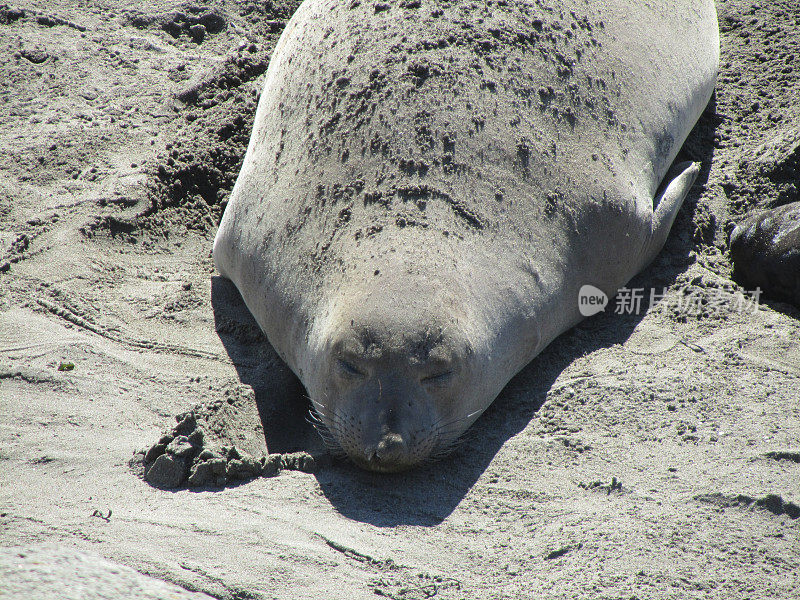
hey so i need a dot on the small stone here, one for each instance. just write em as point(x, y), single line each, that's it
point(232, 466)
point(243, 468)
point(196, 438)
point(36, 55)
point(9, 14)
point(168, 471)
point(271, 465)
point(201, 474)
point(180, 447)
point(298, 461)
point(212, 21)
point(218, 466)
point(197, 33)
point(252, 466)
point(208, 454)
point(154, 452)
point(186, 424)
point(235, 469)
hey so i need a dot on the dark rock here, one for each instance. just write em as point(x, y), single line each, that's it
point(180, 447)
point(172, 28)
point(196, 438)
point(197, 33)
point(298, 461)
point(202, 474)
point(9, 14)
point(245, 468)
point(47, 21)
point(207, 454)
point(271, 465)
point(154, 452)
point(218, 466)
point(213, 22)
point(35, 55)
point(167, 471)
point(186, 424)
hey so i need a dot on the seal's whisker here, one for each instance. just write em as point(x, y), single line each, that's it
point(332, 445)
point(318, 415)
point(330, 432)
point(449, 426)
point(321, 428)
point(451, 445)
point(450, 435)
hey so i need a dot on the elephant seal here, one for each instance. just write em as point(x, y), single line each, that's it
point(429, 184)
point(765, 251)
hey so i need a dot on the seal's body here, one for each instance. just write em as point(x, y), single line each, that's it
point(428, 185)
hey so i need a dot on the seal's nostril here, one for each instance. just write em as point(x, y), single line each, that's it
point(391, 447)
point(389, 450)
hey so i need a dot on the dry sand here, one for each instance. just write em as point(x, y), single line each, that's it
point(640, 456)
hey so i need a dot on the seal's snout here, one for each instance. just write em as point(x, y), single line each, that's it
point(391, 451)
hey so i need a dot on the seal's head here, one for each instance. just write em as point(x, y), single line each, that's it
point(392, 377)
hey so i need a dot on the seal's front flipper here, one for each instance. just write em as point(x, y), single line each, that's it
point(666, 205)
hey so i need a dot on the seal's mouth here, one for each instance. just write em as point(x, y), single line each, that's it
point(391, 452)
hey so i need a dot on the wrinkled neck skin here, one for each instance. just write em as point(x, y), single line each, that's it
point(400, 363)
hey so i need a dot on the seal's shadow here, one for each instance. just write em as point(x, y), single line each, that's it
point(280, 397)
point(427, 495)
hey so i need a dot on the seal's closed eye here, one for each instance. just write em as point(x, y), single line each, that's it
point(440, 378)
point(348, 369)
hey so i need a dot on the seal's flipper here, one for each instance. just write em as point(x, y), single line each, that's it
point(666, 205)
